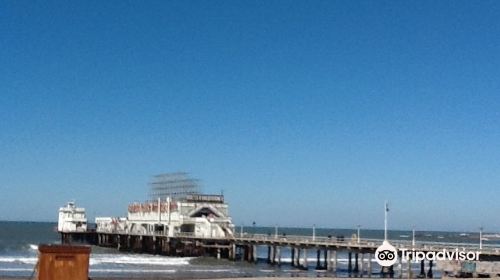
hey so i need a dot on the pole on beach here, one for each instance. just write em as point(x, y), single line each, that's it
point(276, 231)
point(386, 210)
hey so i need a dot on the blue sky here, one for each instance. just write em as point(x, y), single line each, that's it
point(303, 112)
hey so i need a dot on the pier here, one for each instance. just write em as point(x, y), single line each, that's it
point(178, 220)
point(244, 246)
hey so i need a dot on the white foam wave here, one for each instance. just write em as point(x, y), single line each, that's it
point(25, 260)
point(291, 270)
point(214, 270)
point(96, 259)
point(16, 269)
point(142, 271)
point(33, 247)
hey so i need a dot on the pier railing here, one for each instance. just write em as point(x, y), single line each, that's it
point(363, 243)
point(366, 242)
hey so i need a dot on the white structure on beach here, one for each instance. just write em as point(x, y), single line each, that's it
point(72, 219)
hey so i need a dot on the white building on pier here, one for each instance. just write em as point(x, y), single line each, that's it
point(72, 219)
point(175, 209)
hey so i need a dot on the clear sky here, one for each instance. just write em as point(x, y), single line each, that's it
point(303, 112)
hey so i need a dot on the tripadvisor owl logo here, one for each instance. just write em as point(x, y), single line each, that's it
point(386, 254)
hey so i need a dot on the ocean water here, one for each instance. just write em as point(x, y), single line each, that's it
point(19, 249)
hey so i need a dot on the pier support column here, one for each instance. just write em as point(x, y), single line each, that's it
point(233, 252)
point(349, 264)
point(273, 254)
point(158, 245)
point(268, 254)
point(361, 265)
point(370, 265)
point(409, 272)
point(297, 258)
point(246, 253)
point(292, 255)
point(429, 273)
point(318, 259)
point(391, 271)
point(278, 255)
point(422, 269)
point(304, 263)
point(218, 253)
point(254, 253)
point(152, 244)
point(334, 266)
point(401, 267)
point(326, 258)
point(142, 242)
point(356, 266)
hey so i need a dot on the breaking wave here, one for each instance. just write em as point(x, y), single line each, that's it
point(110, 259)
point(96, 259)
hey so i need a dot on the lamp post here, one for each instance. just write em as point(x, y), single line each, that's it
point(481, 238)
point(359, 234)
point(314, 232)
point(413, 237)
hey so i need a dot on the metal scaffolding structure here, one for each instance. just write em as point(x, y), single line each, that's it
point(176, 185)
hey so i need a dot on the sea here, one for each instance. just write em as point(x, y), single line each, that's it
point(19, 243)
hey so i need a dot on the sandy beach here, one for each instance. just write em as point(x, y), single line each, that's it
point(246, 278)
point(161, 278)
point(155, 278)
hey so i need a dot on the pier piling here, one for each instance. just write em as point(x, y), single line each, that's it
point(422, 269)
point(318, 259)
point(349, 264)
point(429, 273)
point(356, 266)
point(369, 264)
point(361, 265)
point(304, 263)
